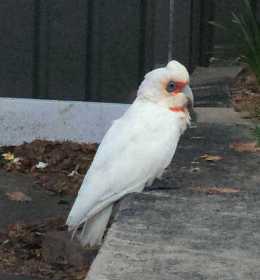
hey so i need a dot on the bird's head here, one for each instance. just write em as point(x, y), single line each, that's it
point(168, 87)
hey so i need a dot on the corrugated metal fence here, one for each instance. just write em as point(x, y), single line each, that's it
point(96, 50)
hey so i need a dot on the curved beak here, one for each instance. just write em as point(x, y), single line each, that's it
point(189, 95)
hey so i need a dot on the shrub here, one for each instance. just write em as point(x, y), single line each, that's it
point(246, 35)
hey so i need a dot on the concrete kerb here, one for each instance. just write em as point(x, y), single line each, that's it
point(24, 120)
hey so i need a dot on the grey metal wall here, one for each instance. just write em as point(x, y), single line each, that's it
point(96, 50)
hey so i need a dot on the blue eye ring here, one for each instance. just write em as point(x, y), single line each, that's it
point(171, 86)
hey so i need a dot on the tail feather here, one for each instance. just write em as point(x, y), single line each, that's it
point(94, 228)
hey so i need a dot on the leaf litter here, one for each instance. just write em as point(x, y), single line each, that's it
point(58, 167)
point(29, 249)
point(44, 249)
point(245, 94)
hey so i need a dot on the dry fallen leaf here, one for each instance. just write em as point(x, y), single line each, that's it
point(208, 157)
point(215, 190)
point(8, 156)
point(18, 196)
point(245, 147)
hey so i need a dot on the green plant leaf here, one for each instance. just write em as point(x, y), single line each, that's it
point(245, 32)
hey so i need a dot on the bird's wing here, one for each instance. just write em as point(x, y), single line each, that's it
point(137, 148)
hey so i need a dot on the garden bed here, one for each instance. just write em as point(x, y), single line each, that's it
point(246, 94)
point(41, 247)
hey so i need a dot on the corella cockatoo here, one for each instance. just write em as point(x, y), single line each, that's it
point(135, 150)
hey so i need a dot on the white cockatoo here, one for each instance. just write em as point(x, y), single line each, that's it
point(135, 150)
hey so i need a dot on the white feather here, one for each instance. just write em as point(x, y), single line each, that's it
point(135, 150)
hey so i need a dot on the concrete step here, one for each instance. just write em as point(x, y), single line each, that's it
point(219, 116)
point(182, 236)
point(174, 231)
point(210, 85)
point(214, 75)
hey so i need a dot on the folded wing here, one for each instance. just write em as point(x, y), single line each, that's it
point(136, 149)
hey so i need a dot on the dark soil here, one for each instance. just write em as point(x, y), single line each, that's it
point(33, 237)
point(67, 163)
point(42, 250)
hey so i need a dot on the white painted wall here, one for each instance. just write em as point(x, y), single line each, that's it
point(23, 120)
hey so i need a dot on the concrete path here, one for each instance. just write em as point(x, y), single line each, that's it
point(177, 232)
point(182, 236)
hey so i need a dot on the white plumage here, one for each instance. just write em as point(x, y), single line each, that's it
point(135, 150)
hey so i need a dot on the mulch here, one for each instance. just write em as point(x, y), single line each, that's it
point(67, 163)
point(246, 94)
point(44, 249)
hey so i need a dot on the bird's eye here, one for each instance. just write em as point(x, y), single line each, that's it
point(171, 86)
